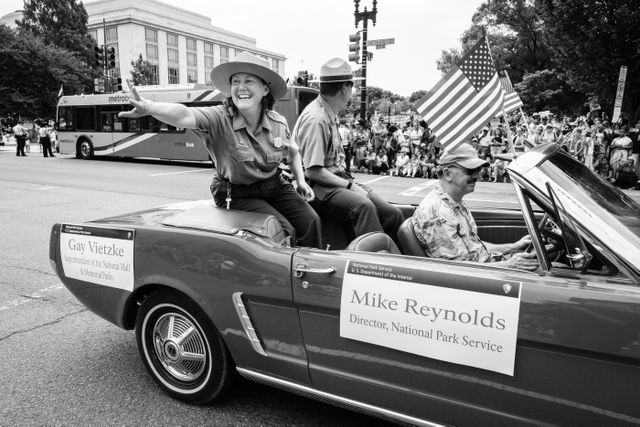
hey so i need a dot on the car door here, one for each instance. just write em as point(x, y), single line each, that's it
point(576, 357)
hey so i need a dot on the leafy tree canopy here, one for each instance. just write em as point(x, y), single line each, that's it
point(142, 72)
point(591, 41)
point(34, 93)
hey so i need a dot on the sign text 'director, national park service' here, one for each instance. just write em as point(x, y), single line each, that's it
point(398, 308)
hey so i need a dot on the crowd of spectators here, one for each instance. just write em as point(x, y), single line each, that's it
point(411, 150)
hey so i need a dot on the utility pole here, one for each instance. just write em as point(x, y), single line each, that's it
point(364, 16)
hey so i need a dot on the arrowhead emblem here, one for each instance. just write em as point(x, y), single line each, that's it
point(506, 288)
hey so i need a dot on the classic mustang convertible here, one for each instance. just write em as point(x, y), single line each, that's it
point(214, 293)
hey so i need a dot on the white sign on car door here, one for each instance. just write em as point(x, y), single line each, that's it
point(399, 308)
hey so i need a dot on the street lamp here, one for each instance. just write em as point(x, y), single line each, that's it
point(364, 16)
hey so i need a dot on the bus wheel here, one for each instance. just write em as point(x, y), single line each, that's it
point(85, 150)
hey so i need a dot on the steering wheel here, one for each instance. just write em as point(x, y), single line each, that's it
point(551, 236)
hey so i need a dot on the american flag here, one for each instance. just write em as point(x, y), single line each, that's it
point(466, 98)
point(511, 99)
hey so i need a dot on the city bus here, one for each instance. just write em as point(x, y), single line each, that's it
point(88, 125)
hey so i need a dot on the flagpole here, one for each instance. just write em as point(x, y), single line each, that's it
point(506, 121)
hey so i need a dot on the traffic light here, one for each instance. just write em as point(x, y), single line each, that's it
point(111, 57)
point(303, 78)
point(99, 56)
point(116, 84)
point(354, 47)
point(357, 73)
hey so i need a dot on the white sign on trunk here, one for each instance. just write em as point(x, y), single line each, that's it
point(98, 255)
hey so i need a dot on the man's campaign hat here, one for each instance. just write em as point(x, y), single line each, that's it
point(336, 70)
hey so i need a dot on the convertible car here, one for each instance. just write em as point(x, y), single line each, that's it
point(379, 327)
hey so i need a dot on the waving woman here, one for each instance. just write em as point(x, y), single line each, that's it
point(247, 141)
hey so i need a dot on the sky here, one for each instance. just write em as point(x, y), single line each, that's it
point(308, 33)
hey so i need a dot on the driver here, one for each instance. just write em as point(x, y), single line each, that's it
point(444, 225)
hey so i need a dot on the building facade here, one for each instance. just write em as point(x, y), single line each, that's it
point(182, 46)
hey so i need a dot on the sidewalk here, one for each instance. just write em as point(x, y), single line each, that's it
point(31, 148)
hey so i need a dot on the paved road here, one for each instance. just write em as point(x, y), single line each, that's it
point(62, 365)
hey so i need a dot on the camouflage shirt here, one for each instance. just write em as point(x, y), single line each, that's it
point(447, 230)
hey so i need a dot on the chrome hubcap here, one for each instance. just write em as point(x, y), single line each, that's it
point(180, 347)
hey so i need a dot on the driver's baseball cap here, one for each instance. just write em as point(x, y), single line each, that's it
point(464, 155)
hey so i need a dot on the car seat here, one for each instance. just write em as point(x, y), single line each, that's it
point(409, 243)
point(376, 241)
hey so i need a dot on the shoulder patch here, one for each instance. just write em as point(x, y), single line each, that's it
point(277, 117)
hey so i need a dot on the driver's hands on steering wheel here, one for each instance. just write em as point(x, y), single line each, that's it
point(523, 260)
point(522, 244)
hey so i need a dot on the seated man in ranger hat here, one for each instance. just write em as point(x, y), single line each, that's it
point(316, 132)
point(247, 141)
point(444, 225)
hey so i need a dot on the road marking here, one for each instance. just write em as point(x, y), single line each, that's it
point(45, 188)
point(176, 173)
point(412, 191)
point(37, 295)
point(375, 179)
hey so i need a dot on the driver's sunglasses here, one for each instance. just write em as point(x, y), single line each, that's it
point(469, 172)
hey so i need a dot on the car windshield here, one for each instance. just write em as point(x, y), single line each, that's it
point(620, 205)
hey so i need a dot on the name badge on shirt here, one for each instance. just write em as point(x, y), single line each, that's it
point(277, 142)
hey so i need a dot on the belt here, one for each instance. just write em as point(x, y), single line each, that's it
point(228, 182)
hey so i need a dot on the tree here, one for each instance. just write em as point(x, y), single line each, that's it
point(547, 90)
point(591, 41)
point(417, 95)
point(31, 73)
point(62, 23)
point(143, 72)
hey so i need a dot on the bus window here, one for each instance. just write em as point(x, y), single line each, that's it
point(158, 126)
point(134, 125)
point(85, 118)
point(117, 123)
point(106, 121)
point(65, 118)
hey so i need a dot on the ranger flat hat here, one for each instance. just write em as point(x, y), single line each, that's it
point(246, 62)
point(336, 70)
point(464, 155)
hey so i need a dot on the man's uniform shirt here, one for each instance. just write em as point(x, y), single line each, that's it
point(318, 136)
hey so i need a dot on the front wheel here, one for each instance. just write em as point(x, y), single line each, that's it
point(85, 150)
point(181, 349)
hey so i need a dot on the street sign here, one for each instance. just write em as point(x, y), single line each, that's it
point(617, 106)
point(380, 46)
point(380, 42)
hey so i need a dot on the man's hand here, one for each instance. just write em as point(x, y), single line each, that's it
point(523, 260)
point(522, 244)
point(357, 189)
point(142, 106)
point(306, 191)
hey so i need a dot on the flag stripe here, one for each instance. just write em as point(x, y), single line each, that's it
point(511, 101)
point(465, 123)
point(459, 95)
point(474, 123)
point(467, 97)
point(441, 89)
point(459, 104)
point(459, 116)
